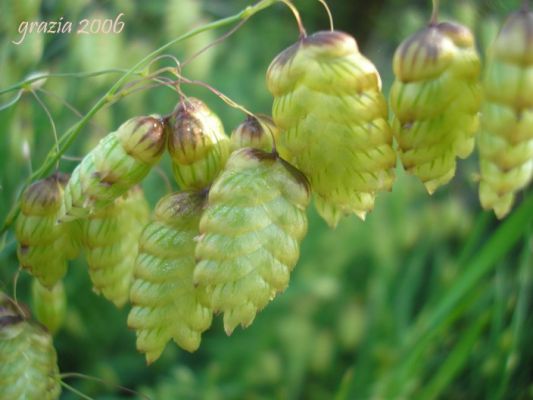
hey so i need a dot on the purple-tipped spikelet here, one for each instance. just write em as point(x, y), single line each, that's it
point(436, 98)
point(257, 132)
point(197, 144)
point(44, 244)
point(119, 161)
point(333, 125)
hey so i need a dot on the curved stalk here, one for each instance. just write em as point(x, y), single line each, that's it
point(110, 96)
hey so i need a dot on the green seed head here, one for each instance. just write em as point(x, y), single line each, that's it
point(333, 125)
point(435, 99)
point(119, 162)
point(143, 138)
point(428, 53)
point(44, 244)
point(29, 363)
point(506, 136)
point(197, 144)
point(166, 304)
point(110, 239)
point(43, 198)
point(249, 234)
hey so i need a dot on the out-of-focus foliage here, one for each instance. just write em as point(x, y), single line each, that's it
point(349, 322)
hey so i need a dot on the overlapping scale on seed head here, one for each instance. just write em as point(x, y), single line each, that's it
point(110, 240)
point(249, 234)
point(435, 99)
point(28, 367)
point(165, 302)
point(44, 245)
point(197, 144)
point(258, 132)
point(333, 122)
point(119, 161)
point(49, 305)
point(506, 137)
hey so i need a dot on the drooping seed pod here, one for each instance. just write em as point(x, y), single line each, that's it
point(119, 161)
point(506, 137)
point(333, 122)
point(257, 132)
point(197, 144)
point(250, 234)
point(435, 98)
point(44, 244)
point(165, 302)
point(49, 305)
point(110, 239)
point(28, 367)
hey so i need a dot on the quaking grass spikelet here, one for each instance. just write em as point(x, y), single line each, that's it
point(333, 125)
point(250, 234)
point(44, 245)
point(506, 137)
point(197, 144)
point(119, 161)
point(28, 361)
point(165, 302)
point(435, 99)
point(110, 239)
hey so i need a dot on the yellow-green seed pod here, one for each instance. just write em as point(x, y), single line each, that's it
point(506, 137)
point(165, 302)
point(197, 144)
point(44, 244)
point(28, 361)
point(119, 161)
point(110, 238)
point(435, 98)
point(333, 122)
point(49, 305)
point(250, 234)
point(257, 132)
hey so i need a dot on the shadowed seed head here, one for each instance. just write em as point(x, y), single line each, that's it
point(257, 132)
point(178, 206)
point(194, 131)
point(429, 51)
point(515, 41)
point(143, 138)
point(43, 197)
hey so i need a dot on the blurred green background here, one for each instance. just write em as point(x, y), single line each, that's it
point(429, 298)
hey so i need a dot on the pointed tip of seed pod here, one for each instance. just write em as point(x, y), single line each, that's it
point(501, 210)
point(430, 188)
point(228, 329)
point(361, 214)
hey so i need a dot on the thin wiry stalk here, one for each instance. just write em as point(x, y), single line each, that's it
point(110, 96)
